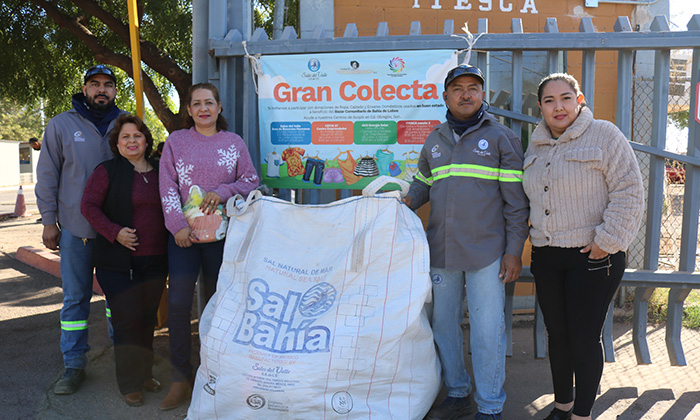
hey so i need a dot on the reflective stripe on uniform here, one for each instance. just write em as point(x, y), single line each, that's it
point(74, 325)
point(420, 177)
point(109, 312)
point(477, 171)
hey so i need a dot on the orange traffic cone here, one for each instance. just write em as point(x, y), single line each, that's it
point(20, 207)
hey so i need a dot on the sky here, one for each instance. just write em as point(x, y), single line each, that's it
point(681, 11)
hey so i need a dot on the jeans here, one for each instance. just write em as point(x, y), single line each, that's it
point(134, 298)
point(574, 293)
point(315, 165)
point(76, 275)
point(486, 302)
point(184, 265)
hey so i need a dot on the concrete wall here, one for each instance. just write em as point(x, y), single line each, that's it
point(9, 163)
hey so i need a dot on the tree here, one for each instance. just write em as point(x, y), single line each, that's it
point(18, 122)
point(47, 46)
point(264, 10)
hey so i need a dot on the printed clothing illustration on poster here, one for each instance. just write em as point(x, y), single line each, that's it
point(274, 161)
point(293, 156)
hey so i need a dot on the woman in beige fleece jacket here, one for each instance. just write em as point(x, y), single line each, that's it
point(586, 204)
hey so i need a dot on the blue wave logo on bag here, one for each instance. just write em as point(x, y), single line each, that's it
point(269, 321)
point(317, 300)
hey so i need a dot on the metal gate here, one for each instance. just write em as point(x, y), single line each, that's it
point(225, 46)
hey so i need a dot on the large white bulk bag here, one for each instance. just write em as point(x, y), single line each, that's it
point(318, 314)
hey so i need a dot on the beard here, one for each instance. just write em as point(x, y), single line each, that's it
point(99, 106)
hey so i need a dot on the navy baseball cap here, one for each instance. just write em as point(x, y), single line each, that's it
point(464, 70)
point(99, 69)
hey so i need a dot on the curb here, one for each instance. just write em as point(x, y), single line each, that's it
point(48, 262)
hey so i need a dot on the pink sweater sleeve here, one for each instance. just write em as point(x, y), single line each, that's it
point(246, 177)
point(169, 192)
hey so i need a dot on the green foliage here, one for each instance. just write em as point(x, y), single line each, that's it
point(42, 59)
point(658, 308)
point(19, 122)
point(680, 119)
point(263, 11)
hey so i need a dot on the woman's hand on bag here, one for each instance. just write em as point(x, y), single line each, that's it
point(407, 200)
point(184, 238)
point(211, 200)
point(595, 252)
point(127, 237)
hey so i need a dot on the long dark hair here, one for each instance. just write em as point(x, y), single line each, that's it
point(140, 125)
point(221, 123)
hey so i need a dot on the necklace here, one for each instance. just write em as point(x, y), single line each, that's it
point(143, 174)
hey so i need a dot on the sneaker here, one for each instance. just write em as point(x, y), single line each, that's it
point(451, 409)
point(70, 381)
point(482, 416)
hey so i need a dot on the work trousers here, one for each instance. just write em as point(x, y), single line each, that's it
point(574, 293)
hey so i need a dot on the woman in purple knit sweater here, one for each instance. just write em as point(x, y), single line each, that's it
point(217, 161)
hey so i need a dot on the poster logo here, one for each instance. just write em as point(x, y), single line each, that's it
point(314, 65)
point(396, 65)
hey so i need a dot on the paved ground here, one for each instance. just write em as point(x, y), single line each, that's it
point(30, 360)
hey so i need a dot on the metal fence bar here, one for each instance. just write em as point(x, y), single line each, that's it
point(483, 59)
point(574, 41)
point(691, 199)
point(625, 65)
point(588, 65)
point(655, 189)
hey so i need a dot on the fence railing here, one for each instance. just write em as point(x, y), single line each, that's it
point(232, 71)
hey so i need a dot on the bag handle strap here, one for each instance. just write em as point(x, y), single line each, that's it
point(236, 206)
point(376, 185)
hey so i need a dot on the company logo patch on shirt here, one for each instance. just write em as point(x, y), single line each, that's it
point(482, 147)
point(436, 278)
point(78, 136)
point(435, 151)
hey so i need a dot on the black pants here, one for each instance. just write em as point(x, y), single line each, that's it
point(133, 300)
point(184, 266)
point(574, 293)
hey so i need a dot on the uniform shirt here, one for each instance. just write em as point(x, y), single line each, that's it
point(478, 210)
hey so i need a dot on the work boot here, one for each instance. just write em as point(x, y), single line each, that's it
point(451, 409)
point(178, 394)
point(70, 381)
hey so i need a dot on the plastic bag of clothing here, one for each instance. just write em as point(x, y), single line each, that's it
point(318, 313)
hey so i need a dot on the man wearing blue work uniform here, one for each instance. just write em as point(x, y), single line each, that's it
point(75, 142)
point(470, 169)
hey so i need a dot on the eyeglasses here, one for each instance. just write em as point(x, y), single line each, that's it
point(99, 69)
